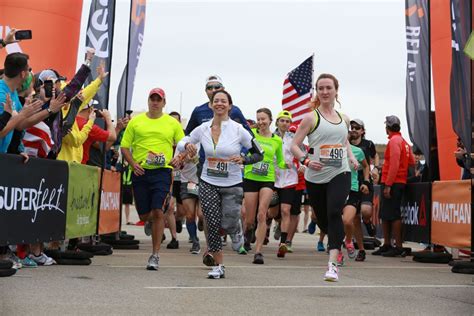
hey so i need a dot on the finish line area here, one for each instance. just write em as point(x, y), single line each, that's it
point(119, 284)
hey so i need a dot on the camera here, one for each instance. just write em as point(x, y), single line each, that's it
point(97, 113)
point(23, 35)
point(48, 88)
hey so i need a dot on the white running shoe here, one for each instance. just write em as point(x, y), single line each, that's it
point(218, 272)
point(331, 273)
point(153, 263)
point(42, 259)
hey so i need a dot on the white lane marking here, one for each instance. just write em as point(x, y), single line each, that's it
point(286, 267)
point(410, 286)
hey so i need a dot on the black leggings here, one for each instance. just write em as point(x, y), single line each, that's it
point(327, 201)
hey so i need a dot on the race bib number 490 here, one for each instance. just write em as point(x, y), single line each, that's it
point(157, 160)
point(217, 168)
point(331, 155)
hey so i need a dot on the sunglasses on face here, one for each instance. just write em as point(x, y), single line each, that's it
point(214, 87)
point(356, 128)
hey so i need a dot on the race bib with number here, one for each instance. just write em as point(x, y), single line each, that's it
point(331, 155)
point(260, 168)
point(157, 160)
point(217, 168)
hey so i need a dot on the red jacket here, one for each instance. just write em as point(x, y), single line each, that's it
point(398, 157)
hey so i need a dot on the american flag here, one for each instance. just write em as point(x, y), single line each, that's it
point(297, 90)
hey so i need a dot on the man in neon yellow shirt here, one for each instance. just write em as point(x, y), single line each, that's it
point(147, 145)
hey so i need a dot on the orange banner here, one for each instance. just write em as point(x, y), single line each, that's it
point(441, 68)
point(451, 213)
point(109, 217)
point(55, 26)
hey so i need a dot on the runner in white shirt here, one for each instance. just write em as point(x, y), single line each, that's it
point(220, 186)
point(285, 179)
point(189, 196)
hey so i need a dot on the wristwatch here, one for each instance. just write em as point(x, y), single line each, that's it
point(2, 42)
point(302, 159)
point(49, 111)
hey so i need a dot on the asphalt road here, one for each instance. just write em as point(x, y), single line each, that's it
point(120, 285)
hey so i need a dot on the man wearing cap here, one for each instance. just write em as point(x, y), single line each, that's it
point(147, 145)
point(203, 113)
point(398, 158)
point(357, 138)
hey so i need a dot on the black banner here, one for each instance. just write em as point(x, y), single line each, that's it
point(418, 74)
point(416, 212)
point(135, 42)
point(100, 33)
point(33, 199)
point(460, 71)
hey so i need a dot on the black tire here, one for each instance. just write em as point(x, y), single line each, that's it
point(122, 242)
point(368, 245)
point(94, 248)
point(7, 272)
point(76, 255)
point(73, 262)
point(53, 253)
point(68, 254)
point(127, 237)
point(106, 252)
point(129, 247)
point(377, 243)
point(432, 257)
point(6, 264)
point(465, 267)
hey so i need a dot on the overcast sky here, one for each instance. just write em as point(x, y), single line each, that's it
point(253, 45)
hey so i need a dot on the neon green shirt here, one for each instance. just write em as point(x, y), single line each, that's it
point(264, 171)
point(152, 140)
point(360, 156)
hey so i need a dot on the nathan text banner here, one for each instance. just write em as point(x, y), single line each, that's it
point(82, 200)
point(33, 200)
point(451, 213)
point(109, 216)
point(55, 26)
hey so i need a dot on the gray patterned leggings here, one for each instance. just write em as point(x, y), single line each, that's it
point(221, 208)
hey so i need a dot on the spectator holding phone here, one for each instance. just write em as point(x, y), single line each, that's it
point(96, 134)
point(72, 149)
point(16, 70)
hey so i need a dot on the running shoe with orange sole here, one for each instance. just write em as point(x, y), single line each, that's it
point(282, 250)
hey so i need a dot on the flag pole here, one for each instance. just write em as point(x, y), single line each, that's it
point(128, 56)
point(111, 52)
point(312, 80)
